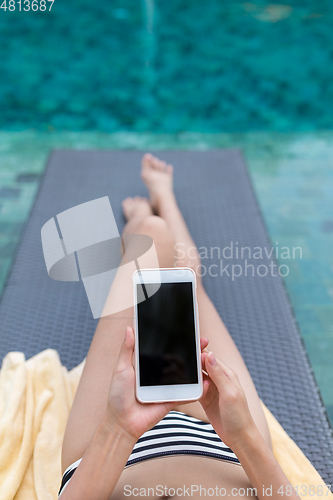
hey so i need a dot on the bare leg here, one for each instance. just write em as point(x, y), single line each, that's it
point(91, 397)
point(90, 400)
point(157, 176)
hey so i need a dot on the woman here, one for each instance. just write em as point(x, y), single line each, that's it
point(229, 451)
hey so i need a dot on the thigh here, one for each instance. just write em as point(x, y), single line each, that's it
point(91, 396)
point(221, 342)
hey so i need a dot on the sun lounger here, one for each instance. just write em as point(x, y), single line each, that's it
point(216, 197)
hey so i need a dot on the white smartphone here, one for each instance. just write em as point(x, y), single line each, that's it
point(167, 339)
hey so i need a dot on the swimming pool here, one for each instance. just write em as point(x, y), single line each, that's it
point(153, 75)
point(168, 66)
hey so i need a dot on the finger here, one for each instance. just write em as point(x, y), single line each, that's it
point(204, 354)
point(206, 385)
point(229, 372)
point(203, 343)
point(126, 350)
point(218, 371)
point(209, 393)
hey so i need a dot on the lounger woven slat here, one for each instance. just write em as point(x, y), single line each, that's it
point(216, 197)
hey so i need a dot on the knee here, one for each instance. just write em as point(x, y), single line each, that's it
point(159, 231)
point(153, 226)
point(156, 227)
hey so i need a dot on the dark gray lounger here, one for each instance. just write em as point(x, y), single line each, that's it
point(215, 195)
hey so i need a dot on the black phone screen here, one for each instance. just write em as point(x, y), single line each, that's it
point(166, 333)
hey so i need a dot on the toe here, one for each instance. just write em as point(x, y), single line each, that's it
point(161, 165)
point(158, 164)
point(146, 160)
point(154, 163)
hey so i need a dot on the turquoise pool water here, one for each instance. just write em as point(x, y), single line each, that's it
point(170, 66)
point(151, 75)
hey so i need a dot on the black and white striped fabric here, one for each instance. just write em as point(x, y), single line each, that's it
point(176, 434)
point(179, 434)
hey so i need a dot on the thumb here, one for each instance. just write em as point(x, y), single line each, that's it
point(126, 350)
point(215, 371)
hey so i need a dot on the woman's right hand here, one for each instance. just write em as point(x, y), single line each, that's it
point(224, 401)
point(123, 409)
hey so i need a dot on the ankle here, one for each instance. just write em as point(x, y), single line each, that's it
point(165, 200)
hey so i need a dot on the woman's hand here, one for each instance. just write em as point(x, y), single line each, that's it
point(123, 409)
point(224, 401)
point(225, 404)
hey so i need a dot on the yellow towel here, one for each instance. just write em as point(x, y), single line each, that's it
point(35, 400)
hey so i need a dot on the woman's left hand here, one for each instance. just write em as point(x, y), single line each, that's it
point(224, 401)
point(123, 409)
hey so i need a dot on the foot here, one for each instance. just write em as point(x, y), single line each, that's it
point(157, 176)
point(136, 208)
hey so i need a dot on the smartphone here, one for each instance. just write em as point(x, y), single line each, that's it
point(167, 339)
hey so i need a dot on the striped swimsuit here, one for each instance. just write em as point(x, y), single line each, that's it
point(176, 434)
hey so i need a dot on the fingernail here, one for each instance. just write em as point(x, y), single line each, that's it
point(211, 358)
